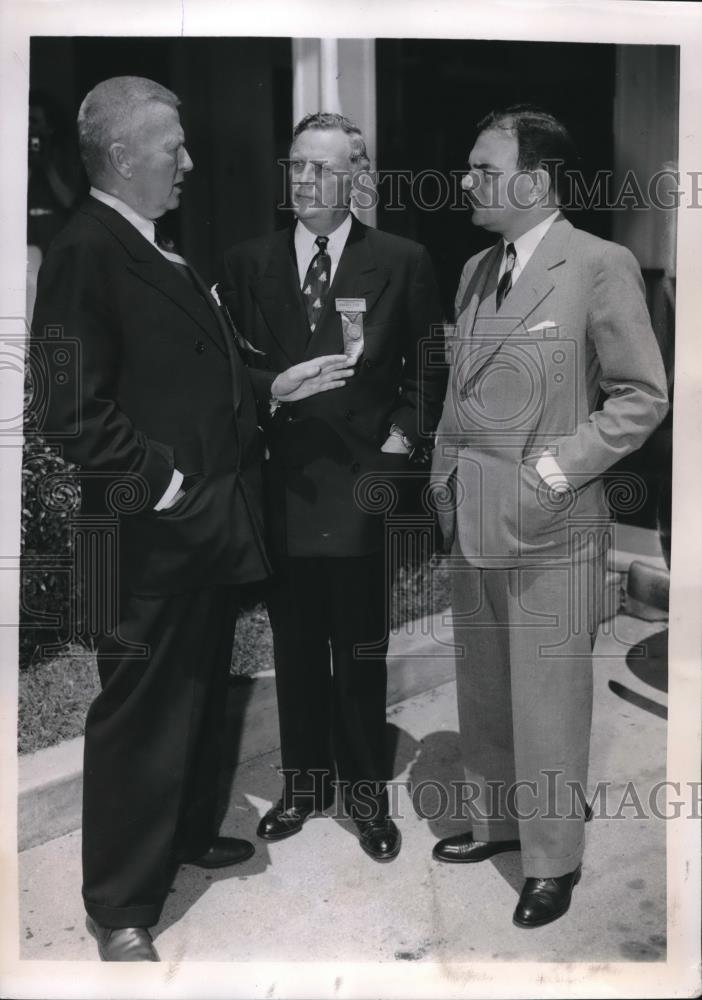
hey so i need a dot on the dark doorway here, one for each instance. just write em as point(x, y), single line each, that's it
point(236, 110)
point(431, 93)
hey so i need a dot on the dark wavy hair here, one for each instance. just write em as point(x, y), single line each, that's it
point(542, 140)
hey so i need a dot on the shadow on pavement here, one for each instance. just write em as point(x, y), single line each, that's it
point(652, 666)
point(439, 764)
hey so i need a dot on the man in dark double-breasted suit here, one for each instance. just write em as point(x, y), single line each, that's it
point(329, 285)
point(158, 412)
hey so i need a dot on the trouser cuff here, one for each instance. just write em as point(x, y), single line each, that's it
point(540, 867)
point(117, 917)
point(493, 832)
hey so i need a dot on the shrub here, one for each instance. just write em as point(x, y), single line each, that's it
point(46, 547)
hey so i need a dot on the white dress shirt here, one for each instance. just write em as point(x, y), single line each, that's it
point(148, 230)
point(306, 248)
point(524, 247)
point(145, 226)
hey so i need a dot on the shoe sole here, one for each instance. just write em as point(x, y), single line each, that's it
point(90, 927)
point(278, 836)
point(291, 833)
point(383, 858)
point(473, 861)
point(223, 864)
point(547, 920)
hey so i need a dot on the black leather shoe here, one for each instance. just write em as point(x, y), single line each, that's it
point(224, 851)
point(462, 849)
point(545, 899)
point(379, 838)
point(124, 944)
point(279, 823)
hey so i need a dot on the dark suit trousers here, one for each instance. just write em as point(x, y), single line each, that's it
point(524, 688)
point(331, 694)
point(152, 751)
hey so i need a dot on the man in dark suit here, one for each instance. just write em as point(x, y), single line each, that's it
point(160, 416)
point(331, 284)
point(548, 319)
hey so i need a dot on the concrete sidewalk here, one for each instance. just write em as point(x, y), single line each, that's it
point(317, 898)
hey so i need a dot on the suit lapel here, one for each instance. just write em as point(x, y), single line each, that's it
point(227, 337)
point(535, 284)
point(278, 294)
point(357, 277)
point(477, 289)
point(153, 268)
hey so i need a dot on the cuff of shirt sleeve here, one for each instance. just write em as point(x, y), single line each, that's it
point(551, 472)
point(175, 484)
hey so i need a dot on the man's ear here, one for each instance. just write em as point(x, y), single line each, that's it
point(364, 192)
point(120, 159)
point(542, 187)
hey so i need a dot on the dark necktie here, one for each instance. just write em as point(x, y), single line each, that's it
point(316, 284)
point(168, 247)
point(505, 284)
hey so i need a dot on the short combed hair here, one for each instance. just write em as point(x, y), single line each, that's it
point(108, 112)
point(330, 120)
point(542, 141)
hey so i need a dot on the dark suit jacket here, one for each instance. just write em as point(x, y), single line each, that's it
point(156, 383)
point(323, 448)
point(529, 377)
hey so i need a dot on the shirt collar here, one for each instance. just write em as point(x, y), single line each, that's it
point(525, 244)
point(144, 226)
point(305, 240)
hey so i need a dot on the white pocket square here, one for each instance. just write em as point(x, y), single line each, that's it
point(548, 324)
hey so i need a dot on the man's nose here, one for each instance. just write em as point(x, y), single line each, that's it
point(306, 174)
point(186, 163)
point(469, 181)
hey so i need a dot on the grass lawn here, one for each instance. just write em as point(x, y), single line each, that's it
point(54, 695)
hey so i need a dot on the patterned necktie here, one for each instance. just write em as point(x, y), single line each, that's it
point(503, 288)
point(316, 284)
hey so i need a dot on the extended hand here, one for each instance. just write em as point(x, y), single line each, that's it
point(395, 445)
point(311, 377)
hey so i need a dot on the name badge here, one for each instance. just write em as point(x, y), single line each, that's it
point(352, 311)
point(350, 305)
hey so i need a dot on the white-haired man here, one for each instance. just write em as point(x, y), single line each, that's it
point(160, 400)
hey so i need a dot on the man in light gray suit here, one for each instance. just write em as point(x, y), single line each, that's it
point(548, 320)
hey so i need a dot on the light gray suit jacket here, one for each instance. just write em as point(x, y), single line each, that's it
point(574, 330)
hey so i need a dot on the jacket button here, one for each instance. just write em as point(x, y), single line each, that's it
point(349, 414)
point(356, 467)
point(289, 420)
point(368, 363)
point(199, 347)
